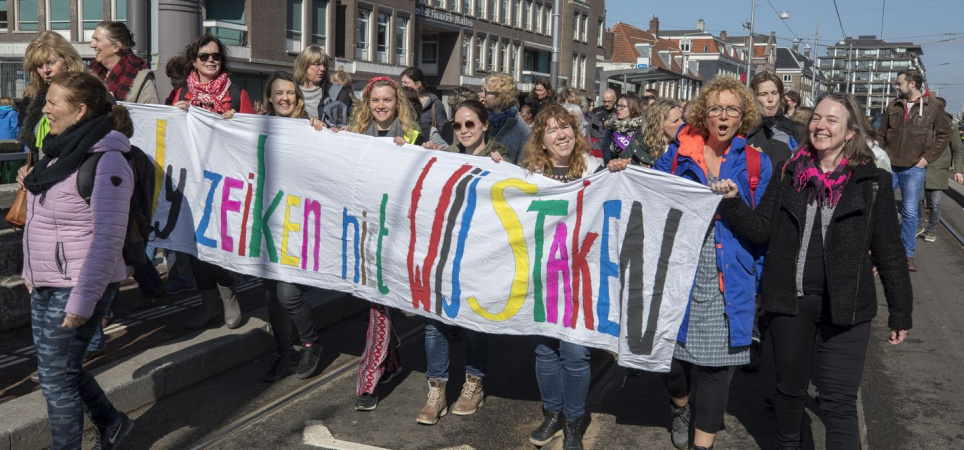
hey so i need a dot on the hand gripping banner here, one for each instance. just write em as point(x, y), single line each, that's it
point(607, 261)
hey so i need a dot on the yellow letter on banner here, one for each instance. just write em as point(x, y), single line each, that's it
point(510, 221)
point(159, 161)
point(293, 200)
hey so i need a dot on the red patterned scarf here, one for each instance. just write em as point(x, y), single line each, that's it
point(210, 95)
point(823, 187)
point(120, 78)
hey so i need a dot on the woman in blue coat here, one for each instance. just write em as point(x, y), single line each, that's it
point(716, 331)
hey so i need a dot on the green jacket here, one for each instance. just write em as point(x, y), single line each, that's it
point(492, 146)
point(952, 159)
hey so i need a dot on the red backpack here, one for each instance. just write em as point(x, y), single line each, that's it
point(752, 170)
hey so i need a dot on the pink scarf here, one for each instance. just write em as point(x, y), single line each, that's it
point(210, 95)
point(823, 187)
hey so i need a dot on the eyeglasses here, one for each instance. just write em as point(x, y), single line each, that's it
point(317, 64)
point(204, 57)
point(622, 106)
point(469, 125)
point(485, 92)
point(717, 111)
point(51, 64)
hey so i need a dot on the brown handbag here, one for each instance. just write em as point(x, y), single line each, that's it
point(17, 216)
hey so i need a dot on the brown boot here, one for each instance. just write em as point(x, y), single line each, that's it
point(436, 406)
point(471, 398)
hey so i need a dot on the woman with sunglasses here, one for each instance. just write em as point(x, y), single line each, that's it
point(715, 335)
point(470, 123)
point(209, 87)
point(127, 77)
point(208, 84)
point(624, 134)
point(286, 301)
point(383, 112)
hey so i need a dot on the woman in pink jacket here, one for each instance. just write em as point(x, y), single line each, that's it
point(72, 251)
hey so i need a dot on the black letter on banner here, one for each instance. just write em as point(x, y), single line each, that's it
point(175, 197)
point(631, 257)
point(642, 343)
point(447, 240)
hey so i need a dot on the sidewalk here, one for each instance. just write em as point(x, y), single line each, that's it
point(150, 356)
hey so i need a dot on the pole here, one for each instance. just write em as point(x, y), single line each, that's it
point(749, 59)
point(138, 21)
point(554, 65)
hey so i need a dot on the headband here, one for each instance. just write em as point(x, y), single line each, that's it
point(368, 88)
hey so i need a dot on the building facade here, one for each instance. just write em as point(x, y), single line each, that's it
point(798, 73)
point(454, 42)
point(867, 68)
point(638, 60)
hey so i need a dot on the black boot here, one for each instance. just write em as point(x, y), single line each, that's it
point(572, 433)
point(697, 447)
point(551, 426)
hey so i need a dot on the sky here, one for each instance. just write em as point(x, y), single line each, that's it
point(936, 25)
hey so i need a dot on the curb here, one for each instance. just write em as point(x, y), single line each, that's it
point(163, 370)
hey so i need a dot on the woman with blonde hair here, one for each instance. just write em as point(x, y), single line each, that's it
point(312, 67)
point(47, 55)
point(500, 97)
point(383, 112)
point(556, 150)
point(660, 125)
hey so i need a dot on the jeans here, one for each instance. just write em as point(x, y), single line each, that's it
point(932, 202)
point(437, 350)
point(68, 388)
point(99, 341)
point(289, 305)
point(836, 363)
point(910, 180)
point(562, 370)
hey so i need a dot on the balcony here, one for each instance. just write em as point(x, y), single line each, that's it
point(229, 33)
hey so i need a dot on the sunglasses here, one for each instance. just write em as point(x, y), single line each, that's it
point(204, 57)
point(469, 125)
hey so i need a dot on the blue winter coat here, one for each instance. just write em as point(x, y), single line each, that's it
point(739, 261)
point(9, 123)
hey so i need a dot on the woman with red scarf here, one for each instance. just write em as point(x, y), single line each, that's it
point(127, 77)
point(208, 85)
point(828, 221)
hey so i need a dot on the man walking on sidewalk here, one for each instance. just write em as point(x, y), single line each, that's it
point(914, 131)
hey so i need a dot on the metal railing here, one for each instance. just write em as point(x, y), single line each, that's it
point(13, 80)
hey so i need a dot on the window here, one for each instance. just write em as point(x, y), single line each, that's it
point(490, 9)
point(599, 32)
point(582, 73)
point(505, 61)
point(362, 42)
point(319, 21)
point(513, 67)
point(466, 6)
point(575, 66)
point(120, 10)
point(479, 47)
point(492, 58)
point(466, 47)
point(787, 78)
point(549, 21)
point(91, 13)
point(381, 37)
point(401, 41)
point(585, 28)
point(58, 18)
point(506, 9)
point(480, 8)
point(537, 18)
point(526, 15)
point(294, 25)
point(684, 45)
point(430, 51)
point(575, 27)
point(517, 12)
point(3, 15)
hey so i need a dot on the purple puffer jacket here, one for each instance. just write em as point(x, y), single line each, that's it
point(67, 243)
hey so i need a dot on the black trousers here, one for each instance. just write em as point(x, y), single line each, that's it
point(209, 276)
point(712, 393)
point(809, 343)
point(289, 305)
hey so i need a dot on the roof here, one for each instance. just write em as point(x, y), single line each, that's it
point(625, 38)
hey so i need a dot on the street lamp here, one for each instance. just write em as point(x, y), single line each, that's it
point(749, 59)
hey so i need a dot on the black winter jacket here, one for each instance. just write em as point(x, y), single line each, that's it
point(860, 224)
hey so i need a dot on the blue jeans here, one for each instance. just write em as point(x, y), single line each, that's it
point(910, 180)
point(437, 351)
point(68, 388)
point(99, 341)
point(932, 201)
point(563, 376)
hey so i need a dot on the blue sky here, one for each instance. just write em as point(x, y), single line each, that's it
point(937, 25)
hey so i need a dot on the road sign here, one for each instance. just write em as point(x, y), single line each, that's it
point(642, 66)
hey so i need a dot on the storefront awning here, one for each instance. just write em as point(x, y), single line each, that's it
point(643, 77)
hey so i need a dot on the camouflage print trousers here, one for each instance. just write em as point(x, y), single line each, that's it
point(69, 389)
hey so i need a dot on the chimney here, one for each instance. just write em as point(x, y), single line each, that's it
point(654, 25)
point(806, 51)
point(701, 25)
point(796, 46)
point(723, 35)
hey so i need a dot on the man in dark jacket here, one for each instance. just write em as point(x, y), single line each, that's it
point(915, 132)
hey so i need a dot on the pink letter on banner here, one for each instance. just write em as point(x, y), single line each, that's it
point(558, 262)
point(228, 205)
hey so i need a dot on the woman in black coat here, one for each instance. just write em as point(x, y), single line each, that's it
point(828, 222)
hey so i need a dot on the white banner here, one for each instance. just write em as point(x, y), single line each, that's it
point(607, 261)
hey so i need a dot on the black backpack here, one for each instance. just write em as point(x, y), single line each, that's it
point(142, 199)
point(332, 111)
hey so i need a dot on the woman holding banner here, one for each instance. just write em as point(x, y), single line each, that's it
point(829, 224)
point(715, 334)
point(209, 87)
point(383, 112)
point(286, 301)
point(312, 71)
point(557, 150)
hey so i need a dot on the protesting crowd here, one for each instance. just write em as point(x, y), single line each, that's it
point(807, 224)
